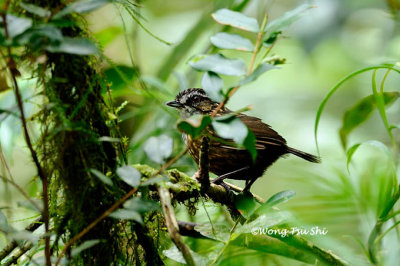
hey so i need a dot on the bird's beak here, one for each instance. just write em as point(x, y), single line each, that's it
point(174, 104)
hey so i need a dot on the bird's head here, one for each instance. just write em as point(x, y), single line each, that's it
point(193, 101)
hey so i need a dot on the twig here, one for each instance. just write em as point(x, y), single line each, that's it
point(203, 176)
point(172, 225)
point(253, 59)
point(227, 243)
point(11, 64)
point(258, 44)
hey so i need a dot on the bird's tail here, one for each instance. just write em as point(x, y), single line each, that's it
point(304, 155)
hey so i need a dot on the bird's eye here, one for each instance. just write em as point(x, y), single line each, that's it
point(196, 98)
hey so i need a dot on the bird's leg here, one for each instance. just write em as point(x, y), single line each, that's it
point(249, 183)
point(220, 180)
point(230, 175)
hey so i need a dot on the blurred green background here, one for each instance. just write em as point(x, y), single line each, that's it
point(327, 43)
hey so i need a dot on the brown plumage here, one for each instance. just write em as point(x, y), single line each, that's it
point(228, 161)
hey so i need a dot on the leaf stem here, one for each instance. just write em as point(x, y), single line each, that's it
point(227, 243)
point(258, 44)
point(250, 69)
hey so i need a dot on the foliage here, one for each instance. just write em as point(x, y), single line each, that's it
point(90, 121)
point(351, 120)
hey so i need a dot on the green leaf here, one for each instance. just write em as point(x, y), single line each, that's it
point(158, 148)
point(285, 20)
point(212, 84)
point(225, 40)
point(23, 235)
point(85, 245)
point(246, 204)
point(81, 7)
point(120, 76)
point(17, 25)
point(175, 254)
point(8, 112)
point(380, 104)
point(250, 145)
point(271, 38)
point(337, 86)
point(219, 232)
point(394, 127)
point(219, 64)
point(231, 127)
point(263, 221)
point(79, 46)
point(236, 19)
point(359, 113)
point(37, 203)
point(350, 153)
point(261, 69)
point(106, 180)
point(34, 9)
point(278, 198)
point(373, 143)
point(34, 36)
point(141, 205)
point(126, 214)
point(129, 175)
point(193, 127)
point(107, 35)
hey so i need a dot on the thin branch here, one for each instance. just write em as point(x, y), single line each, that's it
point(203, 176)
point(172, 225)
point(292, 247)
point(253, 59)
point(258, 44)
point(11, 64)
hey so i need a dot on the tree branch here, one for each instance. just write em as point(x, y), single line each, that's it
point(203, 176)
point(172, 225)
point(184, 187)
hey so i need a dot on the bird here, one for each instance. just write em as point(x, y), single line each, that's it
point(227, 160)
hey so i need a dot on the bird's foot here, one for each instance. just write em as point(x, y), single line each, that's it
point(220, 182)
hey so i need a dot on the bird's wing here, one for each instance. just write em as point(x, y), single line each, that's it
point(264, 134)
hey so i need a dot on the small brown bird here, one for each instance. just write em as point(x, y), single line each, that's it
point(228, 161)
